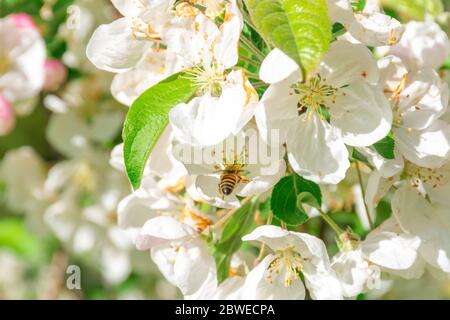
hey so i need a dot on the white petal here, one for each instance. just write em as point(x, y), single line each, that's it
point(431, 224)
point(323, 285)
point(258, 287)
point(207, 120)
point(386, 167)
point(316, 150)
point(134, 211)
point(263, 183)
point(376, 29)
point(340, 11)
point(363, 114)
point(164, 257)
point(276, 111)
point(392, 250)
point(346, 63)
point(113, 47)
point(128, 8)
point(423, 45)
point(427, 148)
point(439, 190)
point(68, 134)
point(424, 99)
point(193, 265)
point(279, 239)
point(227, 46)
point(352, 271)
point(277, 66)
point(161, 231)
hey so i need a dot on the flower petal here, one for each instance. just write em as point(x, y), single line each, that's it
point(363, 114)
point(316, 150)
point(113, 48)
point(278, 66)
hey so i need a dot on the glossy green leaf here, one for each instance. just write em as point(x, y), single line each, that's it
point(230, 240)
point(147, 119)
point(288, 196)
point(300, 28)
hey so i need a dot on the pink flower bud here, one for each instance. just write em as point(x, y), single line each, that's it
point(24, 21)
point(7, 117)
point(55, 74)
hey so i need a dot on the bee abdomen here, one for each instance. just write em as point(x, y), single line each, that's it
point(228, 183)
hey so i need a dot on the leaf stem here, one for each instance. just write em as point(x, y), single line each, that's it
point(363, 193)
point(331, 222)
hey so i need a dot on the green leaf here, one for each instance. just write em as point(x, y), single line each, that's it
point(230, 240)
point(147, 119)
point(15, 237)
point(300, 28)
point(288, 196)
point(358, 5)
point(446, 65)
point(385, 147)
point(415, 9)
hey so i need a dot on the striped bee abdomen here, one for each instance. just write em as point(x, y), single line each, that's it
point(228, 182)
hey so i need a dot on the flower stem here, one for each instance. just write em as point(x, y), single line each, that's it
point(363, 193)
point(259, 84)
point(248, 44)
point(263, 246)
point(249, 61)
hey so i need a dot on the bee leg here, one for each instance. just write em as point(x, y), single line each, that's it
point(244, 179)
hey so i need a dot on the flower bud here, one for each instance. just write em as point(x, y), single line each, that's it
point(55, 74)
point(24, 21)
point(7, 117)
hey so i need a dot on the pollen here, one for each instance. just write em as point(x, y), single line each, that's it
point(315, 94)
point(207, 80)
point(288, 263)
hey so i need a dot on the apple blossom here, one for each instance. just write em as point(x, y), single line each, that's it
point(343, 86)
point(423, 45)
point(181, 256)
point(22, 57)
point(277, 276)
point(368, 26)
point(418, 100)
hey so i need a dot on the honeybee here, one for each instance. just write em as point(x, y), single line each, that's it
point(230, 177)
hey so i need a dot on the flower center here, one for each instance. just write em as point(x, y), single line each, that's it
point(5, 63)
point(207, 80)
point(418, 175)
point(84, 177)
point(315, 94)
point(291, 261)
point(143, 31)
point(189, 217)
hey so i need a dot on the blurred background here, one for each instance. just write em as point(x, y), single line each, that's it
point(59, 191)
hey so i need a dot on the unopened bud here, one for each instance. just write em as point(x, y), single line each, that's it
point(24, 21)
point(7, 117)
point(55, 74)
